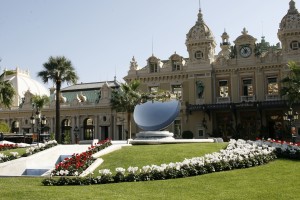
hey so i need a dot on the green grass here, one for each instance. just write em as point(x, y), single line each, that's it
point(21, 151)
point(156, 154)
point(277, 180)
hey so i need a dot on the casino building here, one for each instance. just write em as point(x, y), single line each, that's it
point(85, 110)
point(231, 93)
point(234, 93)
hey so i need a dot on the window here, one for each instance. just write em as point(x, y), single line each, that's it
point(89, 122)
point(175, 66)
point(247, 87)
point(272, 86)
point(223, 88)
point(198, 55)
point(200, 132)
point(88, 129)
point(177, 90)
point(153, 67)
point(177, 128)
point(294, 45)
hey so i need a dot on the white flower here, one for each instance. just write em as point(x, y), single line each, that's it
point(146, 169)
point(132, 169)
point(105, 172)
point(15, 154)
point(120, 170)
point(63, 172)
point(237, 150)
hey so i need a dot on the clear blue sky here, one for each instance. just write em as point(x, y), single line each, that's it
point(101, 36)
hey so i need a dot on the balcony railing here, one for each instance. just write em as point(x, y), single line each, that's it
point(248, 98)
point(200, 101)
point(223, 99)
point(272, 97)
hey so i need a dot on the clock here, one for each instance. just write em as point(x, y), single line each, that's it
point(245, 51)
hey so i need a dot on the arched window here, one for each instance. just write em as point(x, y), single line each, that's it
point(66, 131)
point(88, 129)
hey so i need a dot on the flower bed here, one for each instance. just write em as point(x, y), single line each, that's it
point(11, 156)
point(40, 147)
point(29, 151)
point(284, 149)
point(238, 154)
point(77, 163)
point(4, 147)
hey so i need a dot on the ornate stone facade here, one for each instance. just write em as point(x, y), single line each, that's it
point(84, 107)
point(240, 85)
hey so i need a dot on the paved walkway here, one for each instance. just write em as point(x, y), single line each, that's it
point(43, 161)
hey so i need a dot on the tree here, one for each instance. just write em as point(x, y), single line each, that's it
point(7, 92)
point(291, 84)
point(58, 69)
point(4, 127)
point(125, 99)
point(40, 101)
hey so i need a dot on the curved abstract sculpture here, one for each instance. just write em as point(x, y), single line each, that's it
point(152, 117)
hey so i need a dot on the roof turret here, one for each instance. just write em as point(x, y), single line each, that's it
point(199, 32)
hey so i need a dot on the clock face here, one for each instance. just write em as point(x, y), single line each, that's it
point(245, 51)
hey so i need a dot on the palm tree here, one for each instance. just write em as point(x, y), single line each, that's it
point(125, 99)
point(59, 70)
point(291, 84)
point(7, 92)
point(40, 101)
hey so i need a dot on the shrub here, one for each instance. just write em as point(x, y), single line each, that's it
point(187, 135)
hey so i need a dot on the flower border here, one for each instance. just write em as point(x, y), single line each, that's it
point(29, 151)
point(238, 154)
point(78, 163)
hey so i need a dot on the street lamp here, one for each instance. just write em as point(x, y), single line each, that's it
point(32, 122)
point(290, 117)
point(41, 122)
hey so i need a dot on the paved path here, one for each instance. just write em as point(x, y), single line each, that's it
point(44, 160)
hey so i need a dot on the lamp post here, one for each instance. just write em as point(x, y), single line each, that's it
point(41, 122)
point(32, 122)
point(290, 117)
point(76, 133)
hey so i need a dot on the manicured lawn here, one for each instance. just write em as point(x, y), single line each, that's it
point(21, 151)
point(277, 180)
point(156, 154)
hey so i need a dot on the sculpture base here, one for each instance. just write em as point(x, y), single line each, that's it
point(153, 137)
